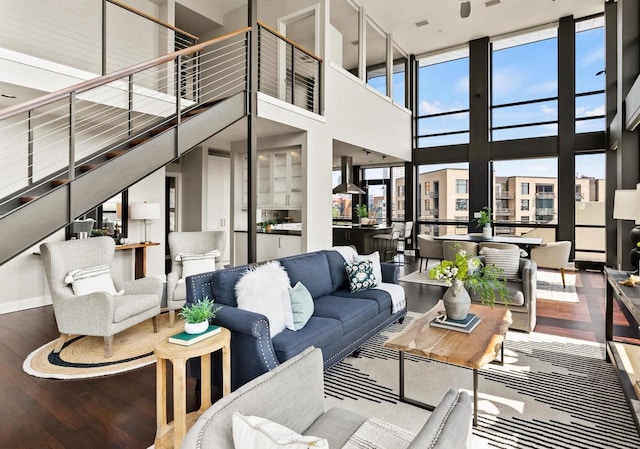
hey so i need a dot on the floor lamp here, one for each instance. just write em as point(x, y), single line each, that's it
point(147, 212)
point(625, 207)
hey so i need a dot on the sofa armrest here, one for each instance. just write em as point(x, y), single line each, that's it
point(390, 272)
point(449, 426)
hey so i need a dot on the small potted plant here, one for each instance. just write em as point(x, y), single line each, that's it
point(267, 224)
point(484, 220)
point(197, 316)
point(363, 213)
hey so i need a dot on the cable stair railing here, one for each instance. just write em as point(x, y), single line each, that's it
point(69, 151)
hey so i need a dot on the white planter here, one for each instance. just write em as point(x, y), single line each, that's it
point(364, 221)
point(487, 233)
point(196, 328)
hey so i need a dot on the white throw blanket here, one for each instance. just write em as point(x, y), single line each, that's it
point(377, 434)
point(398, 301)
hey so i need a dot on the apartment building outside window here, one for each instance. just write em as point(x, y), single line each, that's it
point(462, 186)
point(524, 204)
point(524, 188)
point(462, 205)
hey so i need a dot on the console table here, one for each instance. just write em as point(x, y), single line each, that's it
point(140, 256)
point(625, 357)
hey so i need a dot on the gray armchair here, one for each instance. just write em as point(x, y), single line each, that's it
point(197, 242)
point(292, 395)
point(523, 296)
point(429, 248)
point(98, 314)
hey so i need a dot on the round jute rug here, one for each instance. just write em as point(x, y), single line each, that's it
point(82, 357)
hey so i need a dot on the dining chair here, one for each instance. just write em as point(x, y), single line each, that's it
point(451, 247)
point(428, 248)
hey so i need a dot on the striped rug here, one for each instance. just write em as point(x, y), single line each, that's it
point(552, 392)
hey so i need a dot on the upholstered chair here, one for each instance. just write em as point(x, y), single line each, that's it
point(552, 255)
point(450, 248)
point(387, 244)
point(85, 306)
point(428, 248)
point(197, 242)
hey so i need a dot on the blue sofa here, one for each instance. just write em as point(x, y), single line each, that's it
point(342, 321)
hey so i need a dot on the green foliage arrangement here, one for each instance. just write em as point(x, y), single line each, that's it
point(201, 311)
point(485, 216)
point(264, 224)
point(361, 211)
point(486, 280)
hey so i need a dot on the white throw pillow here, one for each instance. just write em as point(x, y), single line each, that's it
point(506, 259)
point(265, 290)
point(253, 432)
point(197, 263)
point(90, 280)
point(375, 259)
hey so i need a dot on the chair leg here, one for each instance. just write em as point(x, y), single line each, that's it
point(108, 346)
point(61, 341)
point(156, 323)
point(172, 318)
point(562, 273)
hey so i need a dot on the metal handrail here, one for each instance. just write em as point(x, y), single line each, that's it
point(153, 19)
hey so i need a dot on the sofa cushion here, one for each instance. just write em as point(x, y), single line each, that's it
point(85, 281)
point(508, 260)
point(319, 332)
point(375, 260)
point(223, 284)
point(312, 269)
point(127, 306)
point(351, 312)
point(381, 297)
point(251, 432)
point(336, 425)
point(339, 278)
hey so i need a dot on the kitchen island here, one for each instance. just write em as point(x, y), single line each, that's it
point(359, 236)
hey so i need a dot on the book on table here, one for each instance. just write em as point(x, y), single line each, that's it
point(465, 325)
point(185, 339)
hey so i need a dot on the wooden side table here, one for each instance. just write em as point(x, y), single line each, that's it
point(170, 435)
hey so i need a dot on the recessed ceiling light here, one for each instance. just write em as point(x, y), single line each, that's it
point(422, 23)
point(491, 3)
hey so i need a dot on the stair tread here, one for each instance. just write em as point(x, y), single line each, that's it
point(26, 199)
point(138, 141)
point(114, 153)
point(87, 167)
point(59, 182)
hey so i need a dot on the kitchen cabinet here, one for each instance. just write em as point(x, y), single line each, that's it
point(361, 238)
point(279, 180)
point(274, 246)
point(218, 199)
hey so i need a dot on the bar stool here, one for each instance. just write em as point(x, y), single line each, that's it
point(387, 244)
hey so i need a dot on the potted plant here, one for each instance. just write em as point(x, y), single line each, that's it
point(468, 272)
point(484, 220)
point(363, 213)
point(267, 224)
point(197, 316)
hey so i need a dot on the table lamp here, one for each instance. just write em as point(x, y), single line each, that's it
point(147, 212)
point(625, 207)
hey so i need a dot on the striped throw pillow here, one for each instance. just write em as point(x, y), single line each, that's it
point(198, 263)
point(85, 281)
point(506, 259)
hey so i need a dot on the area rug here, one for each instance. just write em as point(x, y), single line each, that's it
point(422, 277)
point(552, 392)
point(549, 286)
point(82, 357)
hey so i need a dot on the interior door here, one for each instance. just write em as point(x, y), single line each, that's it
point(218, 199)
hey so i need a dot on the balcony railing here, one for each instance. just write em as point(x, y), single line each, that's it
point(431, 195)
point(503, 211)
point(545, 211)
point(504, 195)
point(545, 195)
point(287, 71)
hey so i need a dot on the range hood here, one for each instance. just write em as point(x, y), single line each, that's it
point(347, 186)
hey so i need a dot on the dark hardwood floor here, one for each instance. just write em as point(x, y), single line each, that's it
point(119, 411)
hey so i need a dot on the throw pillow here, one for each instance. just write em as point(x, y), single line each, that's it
point(361, 275)
point(301, 306)
point(197, 263)
point(506, 259)
point(251, 432)
point(265, 290)
point(375, 259)
point(90, 280)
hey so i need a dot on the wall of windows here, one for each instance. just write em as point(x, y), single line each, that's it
point(590, 78)
point(443, 99)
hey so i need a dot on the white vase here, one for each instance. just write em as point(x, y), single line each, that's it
point(364, 221)
point(457, 301)
point(196, 328)
point(487, 234)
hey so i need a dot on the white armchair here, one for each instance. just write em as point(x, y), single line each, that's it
point(552, 255)
point(197, 242)
point(98, 313)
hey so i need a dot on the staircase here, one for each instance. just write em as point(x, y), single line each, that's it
point(75, 148)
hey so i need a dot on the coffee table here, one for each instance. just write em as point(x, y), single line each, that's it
point(473, 350)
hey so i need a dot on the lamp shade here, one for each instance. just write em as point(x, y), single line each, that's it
point(625, 204)
point(145, 211)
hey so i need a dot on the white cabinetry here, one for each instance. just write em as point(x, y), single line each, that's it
point(279, 180)
point(218, 199)
point(274, 246)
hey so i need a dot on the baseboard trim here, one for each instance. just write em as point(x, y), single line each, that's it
point(24, 304)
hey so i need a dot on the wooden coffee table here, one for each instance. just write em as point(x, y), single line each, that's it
point(473, 350)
